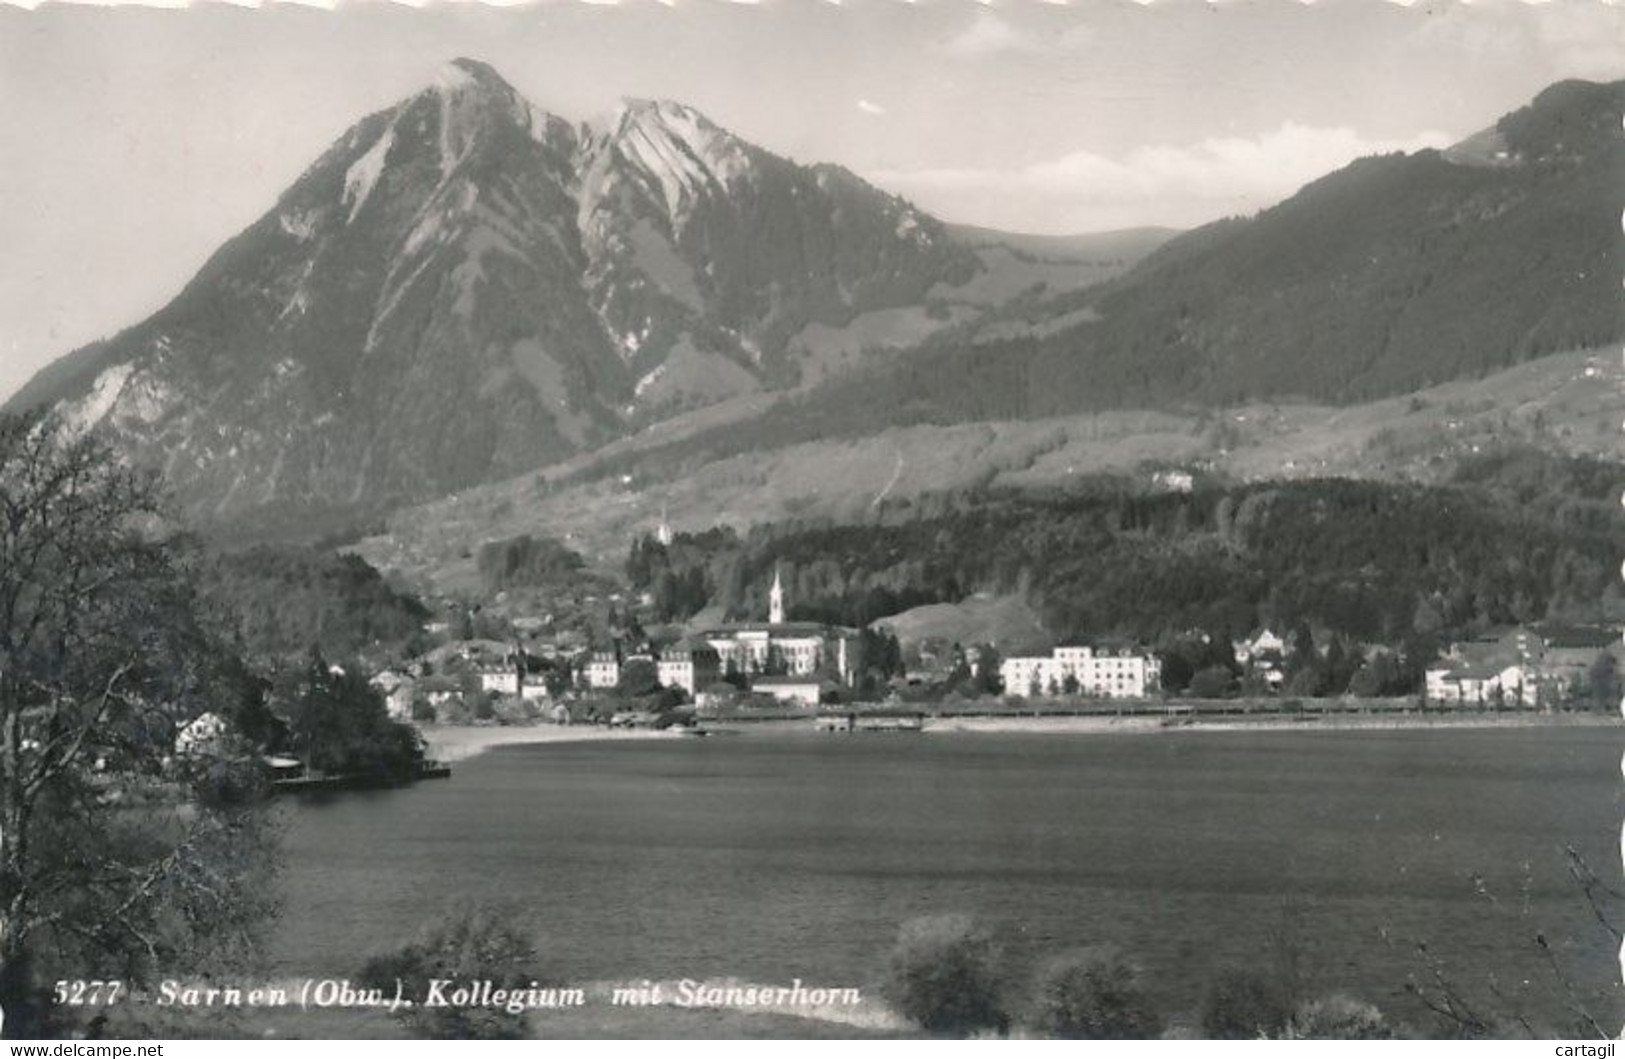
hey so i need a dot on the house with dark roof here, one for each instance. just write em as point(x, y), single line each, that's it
point(1527, 665)
point(690, 665)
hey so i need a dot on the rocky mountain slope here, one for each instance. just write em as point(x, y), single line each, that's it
point(1388, 277)
point(464, 286)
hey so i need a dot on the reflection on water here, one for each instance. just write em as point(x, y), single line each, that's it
point(776, 857)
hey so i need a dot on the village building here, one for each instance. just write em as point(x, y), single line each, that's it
point(603, 669)
point(1266, 646)
point(438, 690)
point(690, 666)
point(1481, 684)
point(397, 689)
point(1116, 673)
point(500, 679)
point(1535, 665)
point(1264, 654)
point(202, 735)
point(793, 691)
point(784, 648)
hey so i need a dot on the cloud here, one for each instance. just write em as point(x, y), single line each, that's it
point(1169, 185)
point(1586, 40)
point(988, 34)
point(1574, 39)
point(871, 108)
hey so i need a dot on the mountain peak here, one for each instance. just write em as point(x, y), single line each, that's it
point(638, 109)
point(474, 102)
point(463, 73)
point(464, 287)
point(680, 149)
point(473, 85)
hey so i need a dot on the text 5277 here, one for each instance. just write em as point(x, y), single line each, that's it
point(92, 993)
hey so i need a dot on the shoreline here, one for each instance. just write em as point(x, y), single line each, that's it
point(1273, 722)
point(453, 743)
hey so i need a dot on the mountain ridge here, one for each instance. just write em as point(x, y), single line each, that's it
point(1391, 274)
point(464, 285)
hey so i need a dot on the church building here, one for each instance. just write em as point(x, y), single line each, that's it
point(784, 648)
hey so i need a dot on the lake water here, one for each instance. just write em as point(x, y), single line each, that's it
point(775, 857)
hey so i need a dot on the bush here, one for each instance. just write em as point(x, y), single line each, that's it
point(517, 711)
point(944, 975)
point(1092, 994)
point(1214, 682)
point(1337, 1018)
point(1243, 1004)
point(468, 945)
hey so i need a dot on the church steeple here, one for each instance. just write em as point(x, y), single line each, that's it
point(775, 600)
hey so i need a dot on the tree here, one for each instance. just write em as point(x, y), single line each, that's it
point(1214, 682)
point(1381, 675)
point(1337, 1018)
point(988, 680)
point(1308, 682)
point(1602, 681)
point(959, 673)
point(1303, 649)
point(1244, 1003)
point(639, 677)
point(776, 665)
point(338, 723)
point(1177, 669)
point(1339, 667)
point(944, 975)
point(118, 856)
point(1093, 994)
point(475, 944)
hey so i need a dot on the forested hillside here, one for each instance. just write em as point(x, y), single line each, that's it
point(1387, 276)
point(289, 599)
point(1520, 537)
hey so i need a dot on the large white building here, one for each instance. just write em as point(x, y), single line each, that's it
point(795, 648)
point(789, 648)
point(1464, 684)
point(1536, 665)
point(689, 666)
point(603, 669)
point(1115, 673)
point(500, 679)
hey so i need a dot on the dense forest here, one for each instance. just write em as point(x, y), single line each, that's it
point(287, 598)
point(527, 561)
point(1517, 537)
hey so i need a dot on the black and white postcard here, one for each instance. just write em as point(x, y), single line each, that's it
point(812, 520)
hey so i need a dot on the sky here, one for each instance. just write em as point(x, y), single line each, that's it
point(134, 141)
